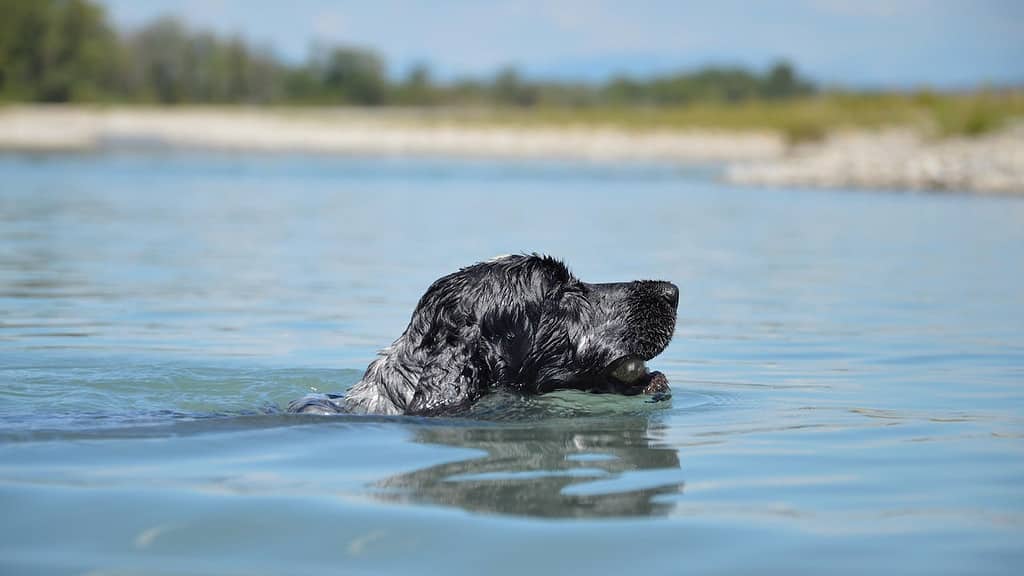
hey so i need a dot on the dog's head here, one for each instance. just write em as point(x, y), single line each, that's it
point(527, 323)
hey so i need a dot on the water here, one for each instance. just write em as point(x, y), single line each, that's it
point(847, 373)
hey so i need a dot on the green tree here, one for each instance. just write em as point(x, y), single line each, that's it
point(55, 50)
point(417, 89)
point(509, 88)
point(159, 63)
point(65, 50)
point(782, 82)
point(22, 29)
point(354, 76)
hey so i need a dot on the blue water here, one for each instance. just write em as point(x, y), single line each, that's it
point(848, 373)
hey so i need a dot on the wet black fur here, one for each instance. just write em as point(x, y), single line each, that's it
point(522, 322)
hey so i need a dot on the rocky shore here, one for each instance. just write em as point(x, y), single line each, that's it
point(892, 159)
point(896, 159)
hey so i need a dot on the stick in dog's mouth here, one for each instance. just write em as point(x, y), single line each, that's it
point(630, 376)
point(657, 385)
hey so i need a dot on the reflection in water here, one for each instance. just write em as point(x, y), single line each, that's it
point(546, 469)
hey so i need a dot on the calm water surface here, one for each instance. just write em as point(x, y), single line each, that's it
point(848, 374)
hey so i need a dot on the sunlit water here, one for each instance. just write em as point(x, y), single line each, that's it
point(848, 374)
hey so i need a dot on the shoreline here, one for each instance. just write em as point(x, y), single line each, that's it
point(898, 159)
point(346, 131)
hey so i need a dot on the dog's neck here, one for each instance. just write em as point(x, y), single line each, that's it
point(388, 385)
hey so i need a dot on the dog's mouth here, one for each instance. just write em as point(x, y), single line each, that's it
point(629, 376)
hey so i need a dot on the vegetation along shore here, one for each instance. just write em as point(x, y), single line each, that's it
point(71, 81)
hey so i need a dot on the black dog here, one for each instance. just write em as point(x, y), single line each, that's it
point(522, 322)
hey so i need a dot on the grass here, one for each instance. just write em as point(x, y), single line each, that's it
point(809, 119)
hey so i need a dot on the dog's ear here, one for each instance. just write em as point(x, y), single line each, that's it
point(451, 377)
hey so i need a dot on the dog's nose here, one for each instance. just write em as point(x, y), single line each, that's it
point(669, 292)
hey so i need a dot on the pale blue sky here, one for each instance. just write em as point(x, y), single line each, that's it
point(908, 43)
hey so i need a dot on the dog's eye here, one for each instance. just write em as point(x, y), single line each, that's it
point(629, 370)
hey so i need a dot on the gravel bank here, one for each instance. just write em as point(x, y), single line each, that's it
point(897, 159)
point(893, 159)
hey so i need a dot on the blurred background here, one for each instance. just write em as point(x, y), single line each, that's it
point(803, 67)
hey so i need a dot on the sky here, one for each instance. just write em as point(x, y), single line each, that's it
point(853, 43)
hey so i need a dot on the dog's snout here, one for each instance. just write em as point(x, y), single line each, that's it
point(669, 292)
